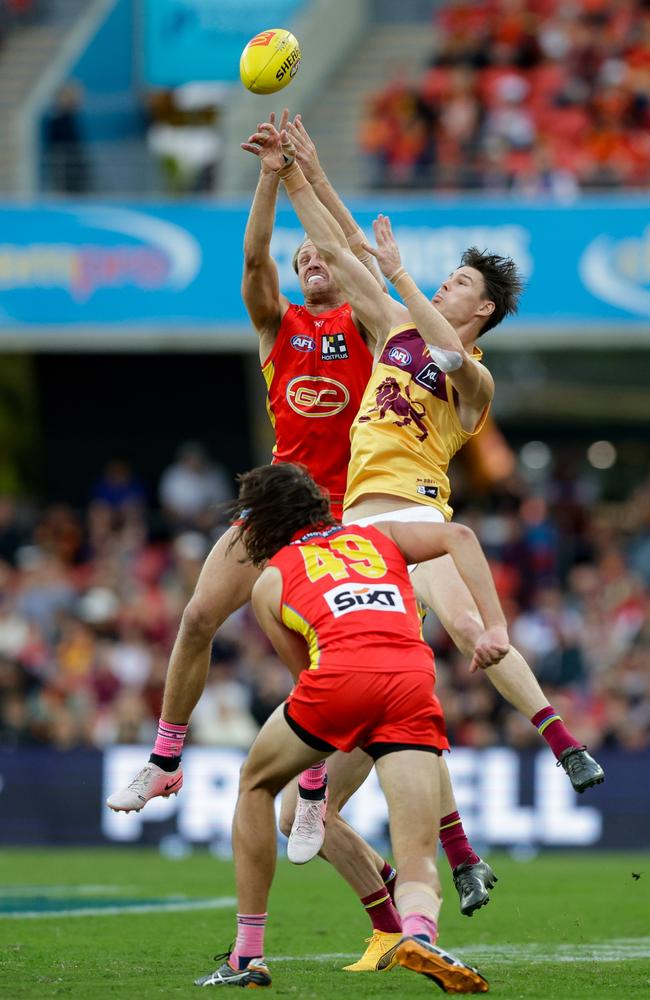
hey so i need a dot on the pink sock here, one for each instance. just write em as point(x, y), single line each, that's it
point(550, 725)
point(454, 841)
point(170, 739)
point(250, 939)
point(416, 924)
point(314, 777)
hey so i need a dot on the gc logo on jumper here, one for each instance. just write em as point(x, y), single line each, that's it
point(316, 396)
point(399, 356)
point(303, 343)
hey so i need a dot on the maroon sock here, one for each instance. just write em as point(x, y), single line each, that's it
point(389, 878)
point(550, 725)
point(454, 841)
point(379, 907)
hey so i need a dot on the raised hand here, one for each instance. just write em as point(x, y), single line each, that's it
point(491, 646)
point(387, 252)
point(267, 142)
point(305, 150)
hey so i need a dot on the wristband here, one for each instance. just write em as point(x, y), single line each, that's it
point(403, 283)
point(293, 178)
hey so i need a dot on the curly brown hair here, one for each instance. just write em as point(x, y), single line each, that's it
point(274, 502)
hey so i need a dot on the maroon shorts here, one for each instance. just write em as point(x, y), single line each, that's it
point(342, 708)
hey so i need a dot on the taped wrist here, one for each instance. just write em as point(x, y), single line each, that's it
point(293, 178)
point(355, 242)
point(403, 283)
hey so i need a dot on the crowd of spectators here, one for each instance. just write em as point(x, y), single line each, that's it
point(536, 96)
point(90, 602)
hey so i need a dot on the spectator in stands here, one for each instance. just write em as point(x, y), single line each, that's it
point(192, 487)
point(118, 487)
point(555, 97)
point(65, 149)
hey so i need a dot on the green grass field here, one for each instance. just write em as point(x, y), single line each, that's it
point(561, 926)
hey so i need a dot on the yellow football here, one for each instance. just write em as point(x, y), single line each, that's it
point(270, 61)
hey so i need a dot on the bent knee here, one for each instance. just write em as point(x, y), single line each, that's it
point(252, 779)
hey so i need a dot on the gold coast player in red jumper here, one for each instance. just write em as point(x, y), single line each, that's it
point(337, 603)
point(316, 360)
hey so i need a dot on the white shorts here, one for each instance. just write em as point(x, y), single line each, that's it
point(407, 515)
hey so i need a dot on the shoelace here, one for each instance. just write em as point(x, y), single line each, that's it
point(573, 760)
point(308, 807)
point(140, 779)
point(466, 880)
point(226, 954)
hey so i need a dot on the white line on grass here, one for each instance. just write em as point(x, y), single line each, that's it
point(616, 950)
point(164, 906)
point(62, 890)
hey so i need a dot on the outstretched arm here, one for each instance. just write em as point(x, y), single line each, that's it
point(471, 380)
point(307, 159)
point(260, 284)
point(423, 541)
point(378, 312)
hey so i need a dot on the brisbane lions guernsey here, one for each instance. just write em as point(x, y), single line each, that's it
point(408, 428)
point(346, 589)
point(315, 376)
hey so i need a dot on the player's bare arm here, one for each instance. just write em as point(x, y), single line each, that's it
point(267, 605)
point(471, 380)
point(377, 311)
point(421, 542)
point(308, 161)
point(260, 283)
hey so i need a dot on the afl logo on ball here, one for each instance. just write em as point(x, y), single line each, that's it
point(399, 356)
point(314, 396)
point(301, 342)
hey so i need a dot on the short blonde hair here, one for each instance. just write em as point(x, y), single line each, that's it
point(294, 259)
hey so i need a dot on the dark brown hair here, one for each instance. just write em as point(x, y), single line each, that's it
point(503, 283)
point(274, 502)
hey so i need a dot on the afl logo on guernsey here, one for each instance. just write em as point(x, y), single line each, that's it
point(316, 396)
point(303, 343)
point(399, 356)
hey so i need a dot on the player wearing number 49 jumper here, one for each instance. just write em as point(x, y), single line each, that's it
point(337, 604)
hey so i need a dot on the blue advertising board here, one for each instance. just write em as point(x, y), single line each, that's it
point(507, 799)
point(177, 267)
point(187, 40)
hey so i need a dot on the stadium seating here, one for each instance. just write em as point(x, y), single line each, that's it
point(534, 97)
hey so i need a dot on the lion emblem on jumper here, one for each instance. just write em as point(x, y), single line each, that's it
point(390, 398)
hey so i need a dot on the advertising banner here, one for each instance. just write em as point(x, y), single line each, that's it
point(506, 799)
point(83, 270)
point(189, 40)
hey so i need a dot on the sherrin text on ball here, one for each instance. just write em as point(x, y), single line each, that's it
point(270, 61)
